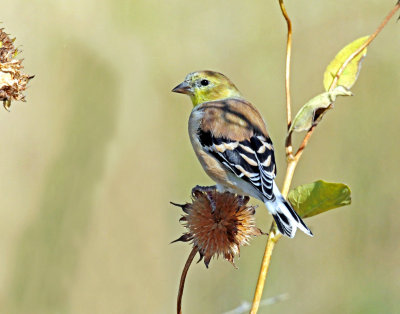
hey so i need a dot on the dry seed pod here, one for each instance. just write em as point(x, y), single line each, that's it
point(12, 81)
point(218, 223)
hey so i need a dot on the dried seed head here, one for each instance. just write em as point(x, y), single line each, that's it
point(12, 81)
point(218, 223)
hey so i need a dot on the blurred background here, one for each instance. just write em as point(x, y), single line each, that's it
point(90, 162)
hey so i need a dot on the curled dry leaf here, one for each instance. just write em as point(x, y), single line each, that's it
point(12, 80)
point(313, 111)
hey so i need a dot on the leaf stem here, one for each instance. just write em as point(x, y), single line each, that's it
point(183, 278)
point(304, 142)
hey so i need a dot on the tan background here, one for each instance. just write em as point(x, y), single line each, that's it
point(90, 162)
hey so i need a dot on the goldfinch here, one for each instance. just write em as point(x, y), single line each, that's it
point(231, 141)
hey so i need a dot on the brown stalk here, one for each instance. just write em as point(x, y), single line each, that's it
point(183, 278)
point(292, 161)
point(289, 148)
point(273, 235)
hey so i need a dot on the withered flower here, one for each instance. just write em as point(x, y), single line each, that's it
point(12, 81)
point(218, 223)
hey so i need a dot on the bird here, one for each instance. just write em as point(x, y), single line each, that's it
point(231, 141)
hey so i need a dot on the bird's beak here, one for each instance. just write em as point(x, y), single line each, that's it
point(183, 88)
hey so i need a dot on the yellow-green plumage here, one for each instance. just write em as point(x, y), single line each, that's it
point(218, 87)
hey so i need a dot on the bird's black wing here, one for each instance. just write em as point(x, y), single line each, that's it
point(252, 160)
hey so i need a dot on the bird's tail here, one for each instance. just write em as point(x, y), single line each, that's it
point(285, 217)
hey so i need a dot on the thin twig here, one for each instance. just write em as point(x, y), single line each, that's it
point(288, 144)
point(363, 46)
point(183, 278)
point(342, 68)
point(291, 166)
point(340, 72)
point(304, 142)
point(274, 236)
point(288, 56)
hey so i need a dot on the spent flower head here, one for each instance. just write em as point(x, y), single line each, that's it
point(218, 223)
point(12, 81)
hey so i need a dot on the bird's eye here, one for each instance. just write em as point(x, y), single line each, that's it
point(204, 82)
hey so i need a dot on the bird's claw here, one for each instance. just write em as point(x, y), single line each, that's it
point(208, 190)
point(199, 188)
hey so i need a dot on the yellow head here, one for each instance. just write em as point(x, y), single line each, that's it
point(205, 86)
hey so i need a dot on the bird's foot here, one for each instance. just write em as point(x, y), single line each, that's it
point(242, 199)
point(204, 188)
point(209, 191)
point(212, 201)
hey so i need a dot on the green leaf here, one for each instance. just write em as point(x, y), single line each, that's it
point(315, 198)
point(350, 73)
point(315, 108)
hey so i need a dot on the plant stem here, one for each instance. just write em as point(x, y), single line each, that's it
point(274, 235)
point(304, 142)
point(363, 46)
point(340, 72)
point(273, 238)
point(183, 278)
point(291, 166)
point(288, 145)
point(292, 161)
